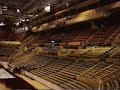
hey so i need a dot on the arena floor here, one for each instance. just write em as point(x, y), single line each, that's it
point(9, 81)
point(4, 87)
point(34, 83)
point(5, 75)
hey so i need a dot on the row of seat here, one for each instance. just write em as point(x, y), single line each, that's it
point(71, 74)
point(105, 36)
point(6, 51)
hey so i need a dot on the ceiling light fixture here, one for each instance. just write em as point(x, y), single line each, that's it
point(36, 15)
point(30, 15)
point(17, 24)
point(2, 24)
point(22, 20)
point(27, 20)
point(4, 8)
point(47, 8)
point(18, 10)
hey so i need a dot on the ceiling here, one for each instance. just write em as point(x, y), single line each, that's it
point(31, 11)
point(8, 8)
point(16, 10)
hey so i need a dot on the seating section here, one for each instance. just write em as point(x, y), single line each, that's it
point(114, 52)
point(113, 37)
point(55, 70)
point(4, 59)
point(6, 51)
point(104, 36)
point(105, 74)
point(88, 68)
point(81, 74)
point(93, 70)
point(101, 35)
point(95, 52)
point(31, 61)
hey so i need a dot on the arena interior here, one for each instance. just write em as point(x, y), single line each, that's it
point(59, 44)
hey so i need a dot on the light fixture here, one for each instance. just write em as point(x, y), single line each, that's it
point(30, 15)
point(4, 8)
point(52, 41)
point(25, 28)
point(18, 10)
point(2, 24)
point(22, 20)
point(47, 8)
point(17, 24)
point(27, 19)
point(36, 15)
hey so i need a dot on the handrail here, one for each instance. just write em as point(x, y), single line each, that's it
point(115, 32)
point(102, 70)
point(82, 74)
point(106, 53)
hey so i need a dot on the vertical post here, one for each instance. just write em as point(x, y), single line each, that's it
point(101, 85)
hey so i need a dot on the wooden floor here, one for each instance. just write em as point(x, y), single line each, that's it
point(4, 87)
point(34, 83)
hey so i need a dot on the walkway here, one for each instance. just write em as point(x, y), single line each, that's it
point(34, 83)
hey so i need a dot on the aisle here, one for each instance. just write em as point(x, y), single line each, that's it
point(34, 83)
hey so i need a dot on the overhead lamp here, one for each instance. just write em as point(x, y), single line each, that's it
point(18, 10)
point(22, 20)
point(25, 28)
point(2, 24)
point(17, 24)
point(47, 8)
point(4, 8)
point(36, 15)
point(27, 19)
point(30, 15)
point(52, 41)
